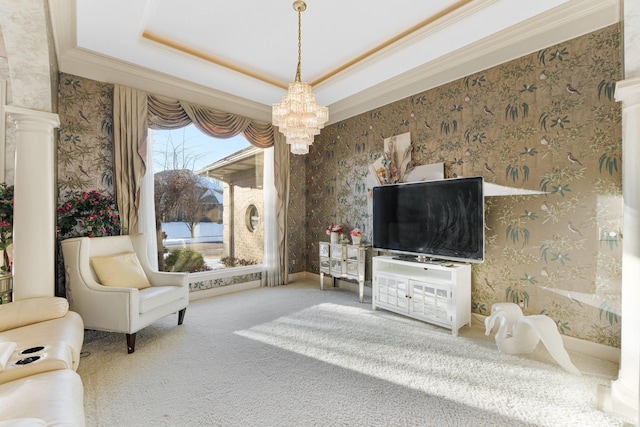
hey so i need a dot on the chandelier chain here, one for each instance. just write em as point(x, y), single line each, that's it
point(298, 79)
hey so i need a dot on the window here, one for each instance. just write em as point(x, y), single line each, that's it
point(202, 187)
point(252, 218)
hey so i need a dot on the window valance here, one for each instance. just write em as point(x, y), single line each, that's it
point(167, 113)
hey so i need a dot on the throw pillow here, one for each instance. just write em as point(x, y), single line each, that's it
point(122, 271)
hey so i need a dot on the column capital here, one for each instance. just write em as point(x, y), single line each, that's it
point(25, 115)
point(628, 91)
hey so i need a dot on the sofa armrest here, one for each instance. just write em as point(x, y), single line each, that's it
point(32, 310)
point(163, 278)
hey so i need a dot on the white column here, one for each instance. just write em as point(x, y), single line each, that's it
point(624, 391)
point(34, 229)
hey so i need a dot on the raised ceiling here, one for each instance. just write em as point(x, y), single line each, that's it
point(240, 56)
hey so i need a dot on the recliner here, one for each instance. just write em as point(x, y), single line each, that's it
point(120, 309)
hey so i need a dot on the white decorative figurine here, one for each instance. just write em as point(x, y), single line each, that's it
point(518, 334)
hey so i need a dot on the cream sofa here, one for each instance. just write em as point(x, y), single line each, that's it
point(40, 343)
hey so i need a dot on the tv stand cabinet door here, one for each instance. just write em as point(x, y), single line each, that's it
point(431, 302)
point(391, 293)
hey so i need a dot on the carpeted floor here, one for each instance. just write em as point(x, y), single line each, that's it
point(297, 356)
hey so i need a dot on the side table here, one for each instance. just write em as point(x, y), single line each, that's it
point(345, 261)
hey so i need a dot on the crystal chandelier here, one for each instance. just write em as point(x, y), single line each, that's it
point(298, 116)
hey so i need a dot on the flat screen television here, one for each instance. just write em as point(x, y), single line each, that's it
point(441, 219)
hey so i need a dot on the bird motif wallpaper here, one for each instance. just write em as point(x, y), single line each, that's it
point(548, 122)
point(85, 145)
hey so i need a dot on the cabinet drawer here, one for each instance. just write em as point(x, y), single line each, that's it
point(324, 249)
point(352, 253)
point(325, 264)
point(352, 268)
point(336, 266)
point(336, 251)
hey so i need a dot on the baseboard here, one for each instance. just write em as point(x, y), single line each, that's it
point(601, 351)
point(222, 290)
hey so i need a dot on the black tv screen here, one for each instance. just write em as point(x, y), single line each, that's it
point(442, 219)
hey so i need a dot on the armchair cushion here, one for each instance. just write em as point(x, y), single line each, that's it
point(122, 271)
point(158, 296)
point(32, 310)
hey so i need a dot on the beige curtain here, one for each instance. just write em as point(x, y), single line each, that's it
point(129, 152)
point(167, 113)
point(281, 181)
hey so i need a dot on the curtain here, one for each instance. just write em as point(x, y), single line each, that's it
point(281, 183)
point(147, 213)
point(129, 152)
point(167, 113)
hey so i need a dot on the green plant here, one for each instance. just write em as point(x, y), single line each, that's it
point(88, 214)
point(185, 260)
point(6, 223)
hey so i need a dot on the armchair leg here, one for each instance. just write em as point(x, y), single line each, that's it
point(181, 315)
point(131, 343)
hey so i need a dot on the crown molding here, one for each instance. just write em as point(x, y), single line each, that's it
point(109, 70)
point(573, 19)
point(83, 63)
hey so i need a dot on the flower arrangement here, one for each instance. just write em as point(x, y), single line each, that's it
point(356, 232)
point(333, 229)
point(89, 214)
point(6, 223)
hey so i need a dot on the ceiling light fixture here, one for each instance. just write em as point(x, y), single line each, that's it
point(298, 116)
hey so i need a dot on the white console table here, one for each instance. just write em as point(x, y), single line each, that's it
point(344, 261)
point(438, 293)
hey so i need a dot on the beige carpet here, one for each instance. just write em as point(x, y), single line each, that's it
point(297, 356)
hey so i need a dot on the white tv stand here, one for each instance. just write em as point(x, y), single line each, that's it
point(434, 292)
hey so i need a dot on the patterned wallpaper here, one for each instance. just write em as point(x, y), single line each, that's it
point(547, 122)
point(85, 153)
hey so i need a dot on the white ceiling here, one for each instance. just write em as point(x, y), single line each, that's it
point(240, 56)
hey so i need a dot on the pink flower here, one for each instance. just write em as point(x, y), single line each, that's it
point(333, 229)
point(356, 232)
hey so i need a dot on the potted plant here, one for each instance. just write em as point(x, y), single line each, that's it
point(6, 224)
point(89, 214)
point(356, 235)
point(6, 241)
point(334, 231)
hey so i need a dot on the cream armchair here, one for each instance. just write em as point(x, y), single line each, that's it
point(112, 299)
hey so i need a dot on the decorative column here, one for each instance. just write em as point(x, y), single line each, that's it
point(624, 391)
point(34, 229)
